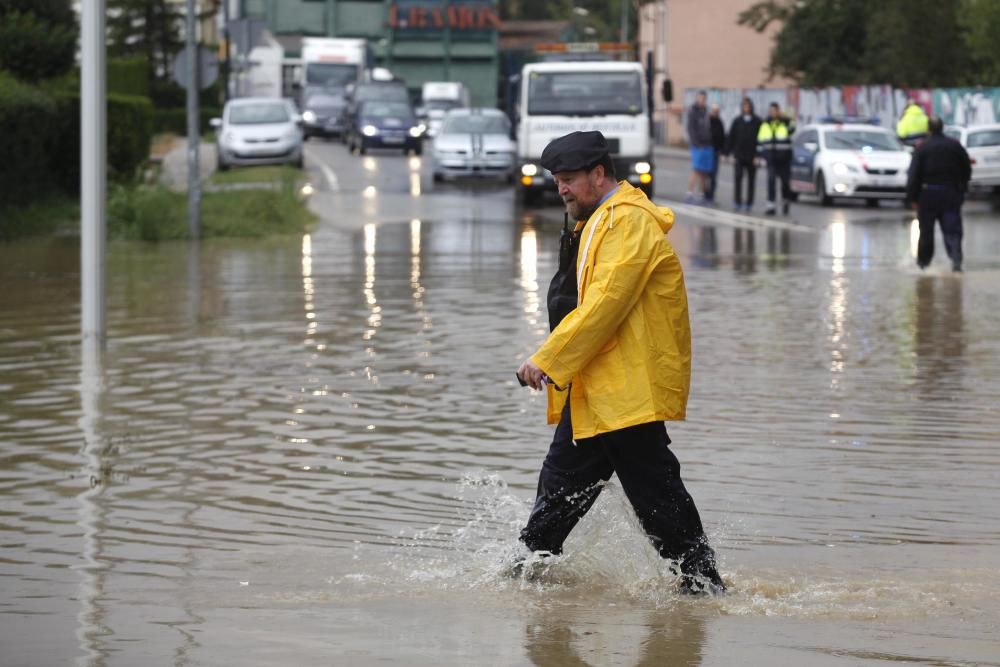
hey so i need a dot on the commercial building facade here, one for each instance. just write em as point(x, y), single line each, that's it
point(418, 40)
point(700, 44)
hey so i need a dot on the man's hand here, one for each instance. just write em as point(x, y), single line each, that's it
point(531, 374)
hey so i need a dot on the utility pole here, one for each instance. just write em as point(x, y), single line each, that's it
point(93, 175)
point(193, 129)
point(624, 29)
point(228, 52)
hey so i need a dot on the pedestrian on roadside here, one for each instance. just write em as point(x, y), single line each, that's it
point(912, 126)
point(699, 133)
point(615, 366)
point(935, 188)
point(742, 146)
point(718, 131)
point(774, 144)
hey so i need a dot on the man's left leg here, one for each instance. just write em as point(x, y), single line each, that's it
point(651, 477)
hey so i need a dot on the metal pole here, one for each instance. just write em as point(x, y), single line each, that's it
point(93, 173)
point(193, 131)
point(228, 52)
point(624, 30)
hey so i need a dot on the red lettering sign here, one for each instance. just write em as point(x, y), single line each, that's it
point(457, 17)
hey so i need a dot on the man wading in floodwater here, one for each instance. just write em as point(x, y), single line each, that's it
point(617, 364)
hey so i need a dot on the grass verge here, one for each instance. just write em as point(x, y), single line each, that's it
point(50, 215)
point(262, 174)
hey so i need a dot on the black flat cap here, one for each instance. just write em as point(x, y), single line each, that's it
point(574, 151)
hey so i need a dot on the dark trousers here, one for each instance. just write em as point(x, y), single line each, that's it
point(712, 179)
point(741, 168)
point(779, 167)
point(572, 477)
point(944, 204)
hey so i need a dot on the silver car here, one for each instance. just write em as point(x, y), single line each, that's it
point(258, 130)
point(474, 142)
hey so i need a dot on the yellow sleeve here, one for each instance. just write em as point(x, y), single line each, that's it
point(620, 273)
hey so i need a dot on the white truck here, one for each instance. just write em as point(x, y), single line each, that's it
point(437, 98)
point(333, 62)
point(556, 98)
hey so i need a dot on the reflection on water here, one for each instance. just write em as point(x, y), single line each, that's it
point(290, 436)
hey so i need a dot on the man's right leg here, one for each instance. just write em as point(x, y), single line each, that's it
point(771, 176)
point(738, 183)
point(927, 212)
point(569, 483)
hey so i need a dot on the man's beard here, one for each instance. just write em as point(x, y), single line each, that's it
point(580, 211)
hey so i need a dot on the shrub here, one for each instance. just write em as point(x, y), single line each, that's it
point(128, 76)
point(26, 118)
point(37, 39)
point(130, 132)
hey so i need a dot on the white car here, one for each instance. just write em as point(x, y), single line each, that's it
point(474, 142)
point(258, 130)
point(983, 145)
point(850, 160)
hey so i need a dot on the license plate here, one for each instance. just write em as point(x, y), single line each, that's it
point(393, 140)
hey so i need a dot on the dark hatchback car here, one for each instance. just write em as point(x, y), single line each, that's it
point(322, 112)
point(386, 125)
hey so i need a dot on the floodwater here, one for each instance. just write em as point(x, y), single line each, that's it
point(312, 450)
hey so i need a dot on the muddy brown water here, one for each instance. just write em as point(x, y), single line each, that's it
point(312, 451)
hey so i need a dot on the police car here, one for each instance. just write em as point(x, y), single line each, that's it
point(849, 159)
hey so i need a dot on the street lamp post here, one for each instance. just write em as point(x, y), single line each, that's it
point(93, 174)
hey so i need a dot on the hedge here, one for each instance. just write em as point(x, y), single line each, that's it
point(27, 117)
point(40, 139)
point(128, 76)
point(130, 133)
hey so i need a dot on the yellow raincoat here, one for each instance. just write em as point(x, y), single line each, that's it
point(626, 348)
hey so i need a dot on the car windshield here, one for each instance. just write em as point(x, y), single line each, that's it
point(862, 140)
point(390, 93)
point(256, 114)
point(331, 74)
point(476, 124)
point(386, 110)
point(443, 105)
point(983, 138)
point(584, 93)
point(324, 101)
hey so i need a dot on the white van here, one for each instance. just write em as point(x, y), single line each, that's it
point(557, 98)
point(438, 98)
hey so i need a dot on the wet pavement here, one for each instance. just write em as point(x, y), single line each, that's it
point(312, 450)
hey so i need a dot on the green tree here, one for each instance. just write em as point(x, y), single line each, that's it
point(37, 38)
point(147, 28)
point(906, 43)
point(981, 21)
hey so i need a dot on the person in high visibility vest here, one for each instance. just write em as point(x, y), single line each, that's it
point(774, 145)
point(912, 125)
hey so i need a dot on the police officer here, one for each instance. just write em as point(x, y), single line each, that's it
point(938, 179)
point(774, 144)
point(912, 125)
point(616, 366)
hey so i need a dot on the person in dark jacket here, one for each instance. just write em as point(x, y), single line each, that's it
point(718, 131)
point(938, 179)
point(700, 140)
point(742, 146)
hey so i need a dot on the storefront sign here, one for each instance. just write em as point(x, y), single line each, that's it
point(438, 17)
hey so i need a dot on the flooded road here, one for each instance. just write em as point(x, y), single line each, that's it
point(312, 450)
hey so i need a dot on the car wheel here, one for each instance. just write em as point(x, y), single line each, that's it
point(300, 163)
point(221, 165)
point(361, 147)
point(824, 198)
point(438, 177)
point(871, 202)
point(418, 150)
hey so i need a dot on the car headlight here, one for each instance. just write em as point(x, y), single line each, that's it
point(369, 130)
point(841, 168)
point(642, 168)
point(529, 169)
point(309, 117)
point(417, 130)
